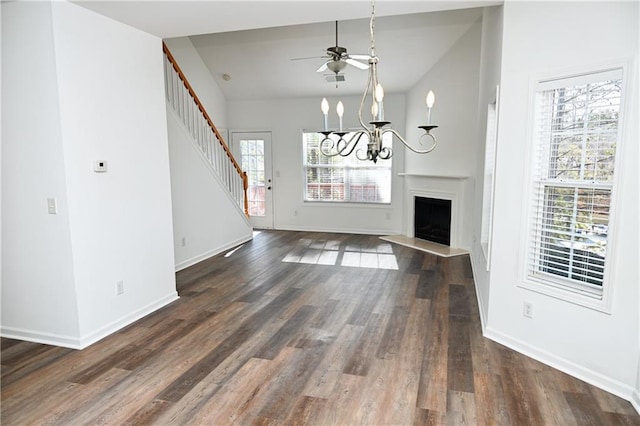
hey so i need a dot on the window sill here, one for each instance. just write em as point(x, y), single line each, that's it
point(349, 204)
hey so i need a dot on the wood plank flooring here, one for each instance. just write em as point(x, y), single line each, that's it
point(282, 332)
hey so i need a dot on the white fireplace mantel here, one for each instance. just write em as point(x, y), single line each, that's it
point(447, 187)
point(425, 175)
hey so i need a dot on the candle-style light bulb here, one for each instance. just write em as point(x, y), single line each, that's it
point(324, 106)
point(379, 93)
point(340, 111)
point(379, 96)
point(431, 99)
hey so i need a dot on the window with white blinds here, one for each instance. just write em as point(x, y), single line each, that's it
point(576, 133)
point(343, 179)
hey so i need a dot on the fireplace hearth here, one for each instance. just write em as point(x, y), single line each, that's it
point(432, 220)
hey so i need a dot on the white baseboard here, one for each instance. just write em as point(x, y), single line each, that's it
point(635, 400)
point(72, 342)
point(592, 377)
point(127, 319)
point(210, 253)
point(82, 342)
point(481, 302)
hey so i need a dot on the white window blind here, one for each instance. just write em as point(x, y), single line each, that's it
point(576, 136)
point(343, 179)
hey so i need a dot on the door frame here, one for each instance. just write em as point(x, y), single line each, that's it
point(267, 221)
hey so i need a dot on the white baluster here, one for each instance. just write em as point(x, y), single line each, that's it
point(174, 90)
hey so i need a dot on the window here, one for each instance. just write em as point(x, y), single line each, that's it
point(344, 179)
point(488, 187)
point(252, 162)
point(576, 133)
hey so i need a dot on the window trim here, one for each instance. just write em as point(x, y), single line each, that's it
point(338, 203)
point(564, 292)
point(489, 189)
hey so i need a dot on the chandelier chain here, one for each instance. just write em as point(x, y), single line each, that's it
point(372, 24)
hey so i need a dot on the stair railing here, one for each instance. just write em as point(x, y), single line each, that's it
point(185, 103)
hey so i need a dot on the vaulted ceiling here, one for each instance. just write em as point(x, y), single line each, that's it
point(254, 42)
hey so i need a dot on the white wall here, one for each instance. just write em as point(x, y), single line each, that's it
point(203, 214)
point(112, 108)
point(285, 119)
point(454, 80)
point(38, 285)
point(200, 79)
point(597, 347)
point(97, 90)
point(456, 103)
point(636, 392)
point(490, 58)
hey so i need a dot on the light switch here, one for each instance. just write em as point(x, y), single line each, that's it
point(51, 206)
point(99, 166)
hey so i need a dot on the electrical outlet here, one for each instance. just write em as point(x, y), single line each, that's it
point(388, 216)
point(120, 287)
point(527, 309)
point(183, 242)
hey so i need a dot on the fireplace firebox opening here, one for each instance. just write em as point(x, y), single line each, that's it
point(433, 220)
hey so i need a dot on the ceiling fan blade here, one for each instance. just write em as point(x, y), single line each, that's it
point(322, 68)
point(357, 64)
point(308, 57)
point(361, 57)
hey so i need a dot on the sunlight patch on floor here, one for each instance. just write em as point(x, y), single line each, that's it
point(331, 252)
point(232, 251)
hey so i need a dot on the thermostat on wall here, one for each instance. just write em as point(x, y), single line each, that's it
point(99, 166)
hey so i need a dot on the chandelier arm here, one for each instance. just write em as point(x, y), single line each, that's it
point(355, 136)
point(385, 153)
point(361, 158)
point(324, 151)
point(417, 151)
point(341, 146)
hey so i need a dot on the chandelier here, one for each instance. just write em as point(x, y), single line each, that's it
point(334, 142)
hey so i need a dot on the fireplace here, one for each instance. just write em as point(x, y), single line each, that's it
point(432, 220)
point(453, 189)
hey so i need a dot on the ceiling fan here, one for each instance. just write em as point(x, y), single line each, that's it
point(338, 58)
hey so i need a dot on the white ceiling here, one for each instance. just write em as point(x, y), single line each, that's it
point(254, 41)
point(259, 61)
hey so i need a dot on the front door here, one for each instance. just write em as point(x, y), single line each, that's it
point(253, 152)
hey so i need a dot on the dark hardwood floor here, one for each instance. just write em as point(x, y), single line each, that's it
point(282, 332)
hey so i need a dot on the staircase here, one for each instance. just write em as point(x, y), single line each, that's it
point(185, 103)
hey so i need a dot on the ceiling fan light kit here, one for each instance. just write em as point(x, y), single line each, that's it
point(338, 58)
point(336, 66)
point(334, 143)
